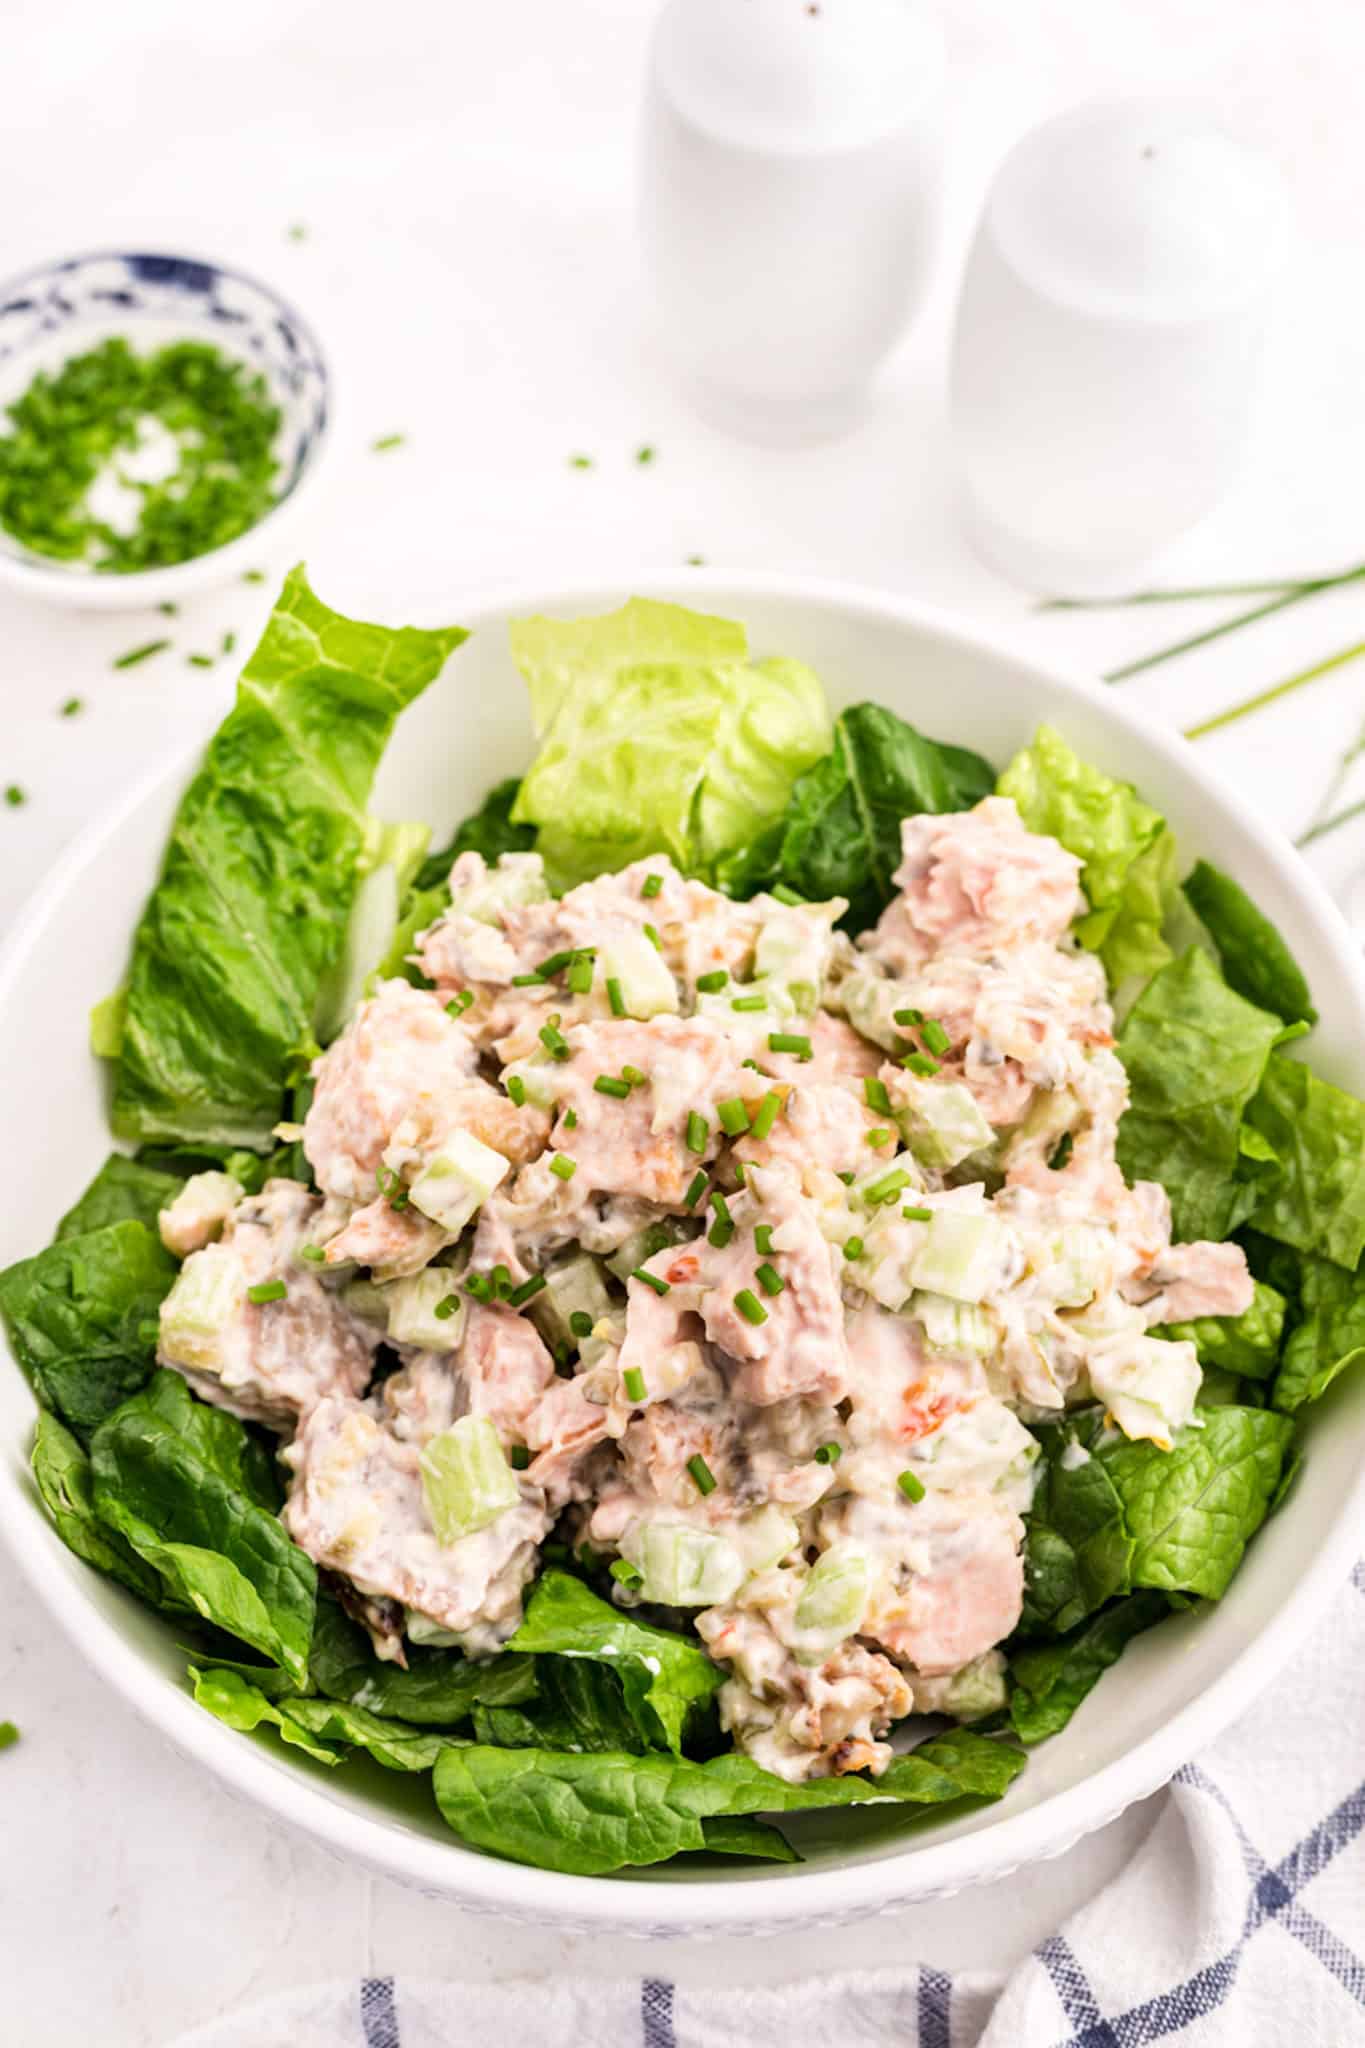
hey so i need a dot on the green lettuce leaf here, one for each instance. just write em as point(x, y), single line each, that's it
point(264, 858)
point(1129, 854)
point(1255, 959)
point(439, 1689)
point(1195, 1054)
point(581, 1705)
point(666, 1679)
point(1049, 1680)
point(658, 734)
point(1317, 1200)
point(590, 1814)
point(61, 1472)
point(842, 833)
point(1078, 1551)
point(326, 1729)
point(1248, 1345)
point(195, 1496)
point(122, 1188)
point(739, 1836)
point(1328, 1336)
point(82, 1318)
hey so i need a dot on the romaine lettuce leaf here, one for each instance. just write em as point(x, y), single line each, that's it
point(842, 833)
point(1317, 1200)
point(82, 1317)
point(61, 1472)
point(195, 1496)
point(1195, 1054)
point(1078, 1551)
point(590, 1814)
point(658, 734)
point(1255, 959)
point(1248, 1345)
point(1049, 1680)
point(256, 887)
point(439, 1689)
point(1328, 1334)
point(121, 1189)
point(581, 1706)
point(324, 1728)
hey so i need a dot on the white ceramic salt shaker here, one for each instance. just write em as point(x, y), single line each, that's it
point(789, 198)
point(1109, 338)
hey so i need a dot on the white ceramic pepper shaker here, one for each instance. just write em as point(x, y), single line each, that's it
point(1109, 338)
point(789, 198)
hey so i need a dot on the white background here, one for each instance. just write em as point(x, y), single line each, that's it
point(463, 172)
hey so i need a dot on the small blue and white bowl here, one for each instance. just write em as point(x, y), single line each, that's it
point(61, 309)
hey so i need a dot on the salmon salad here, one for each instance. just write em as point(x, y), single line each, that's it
point(714, 1300)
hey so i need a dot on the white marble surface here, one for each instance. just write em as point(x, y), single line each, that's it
point(463, 174)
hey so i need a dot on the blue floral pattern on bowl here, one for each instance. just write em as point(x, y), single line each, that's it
point(60, 309)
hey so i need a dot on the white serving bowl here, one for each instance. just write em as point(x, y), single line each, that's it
point(1173, 1690)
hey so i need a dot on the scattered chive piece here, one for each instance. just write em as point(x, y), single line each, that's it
point(750, 1307)
point(615, 997)
point(763, 1238)
point(298, 232)
point(709, 983)
point(909, 1018)
point(554, 1041)
point(651, 1280)
point(527, 980)
point(853, 1247)
point(458, 1004)
point(555, 963)
point(625, 1574)
point(9, 1734)
point(168, 610)
point(696, 561)
point(765, 1116)
point(698, 1131)
point(749, 1003)
point(875, 1095)
point(633, 1078)
point(386, 441)
point(248, 576)
point(312, 1254)
point(267, 1290)
point(791, 1041)
point(888, 1187)
point(580, 1323)
point(847, 1178)
point(562, 1167)
point(695, 1189)
point(516, 1088)
point(914, 1214)
point(633, 1381)
point(137, 654)
point(651, 885)
point(770, 1280)
point(571, 1119)
point(723, 1228)
point(199, 661)
point(527, 1291)
point(580, 976)
point(784, 894)
point(653, 938)
point(229, 642)
point(741, 1172)
point(446, 1308)
point(73, 707)
point(644, 454)
point(518, 1457)
point(479, 1286)
point(703, 1477)
point(910, 1486)
point(734, 1117)
point(608, 1084)
point(880, 1137)
point(753, 1066)
point(580, 462)
point(14, 796)
point(390, 1185)
point(920, 1063)
point(502, 1279)
point(934, 1035)
point(829, 1454)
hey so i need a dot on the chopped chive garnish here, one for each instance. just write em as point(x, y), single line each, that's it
point(15, 795)
point(171, 611)
point(645, 454)
point(312, 1254)
point(791, 1041)
point(502, 1280)
point(633, 1078)
point(580, 462)
point(709, 983)
point(446, 1308)
point(696, 1187)
point(654, 938)
point(763, 1238)
point(267, 1290)
point(853, 1247)
point(199, 661)
point(516, 1088)
point(532, 980)
point(913, 1214)
point(387, 441)
point(556, 963)
point(911, 1486)
point(749, 1003)
point(580, 975)
point(880, 1137)
point(615, 997)
point(563, 1167)
point(571, 1119)
point(143, 653)
point(765, 1116)
point(920, 1063)
point(527, 1291)
point(910, 1018)
point(651, 885)
point(734, 1117)
point(752, 1065)
point(784, 893)
point(479, 1286)
point(698, 1131)
point(610, 1084)
point(73, 707)
point(390, 1185)
point(248, 576)
point(741, 1172)
point(580, 1323)
point(229, 642)
point(750, 1307)
point(829, 1454)
point(625, 1574)
point(554, 1041)
point(518, 1457)
point(847, 1178)
point(457, 1005)
point(888, 1187)
point(723, 1228)
point(934, 1035)
point(651, 1280)
point(875, 1095)
point(770, 1280)
point(703, 1477)
point(633, 1380)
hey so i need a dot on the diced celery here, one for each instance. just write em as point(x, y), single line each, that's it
point(573, 1286)
point(412, 1304)
point(198, 1212)
point(367, 1300)
point(466, 1481)
point(1078, 1258)
point(870, 1002)
point(978, 1689)
point(204, 1303)
point(647, 985)
point(833, 1600)
point(456, 1179)
point(983, 1446)
point(681, 1566)
point(1148, 1384)
point(954, 1326)
point(642, 1245)
point(518, 878)
point(539, 1077)
point(965, 1254)
point(420, 1628)
point(765, 1537)
point(940, 1120)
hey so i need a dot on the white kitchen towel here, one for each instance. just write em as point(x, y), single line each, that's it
point(1240, 1923)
